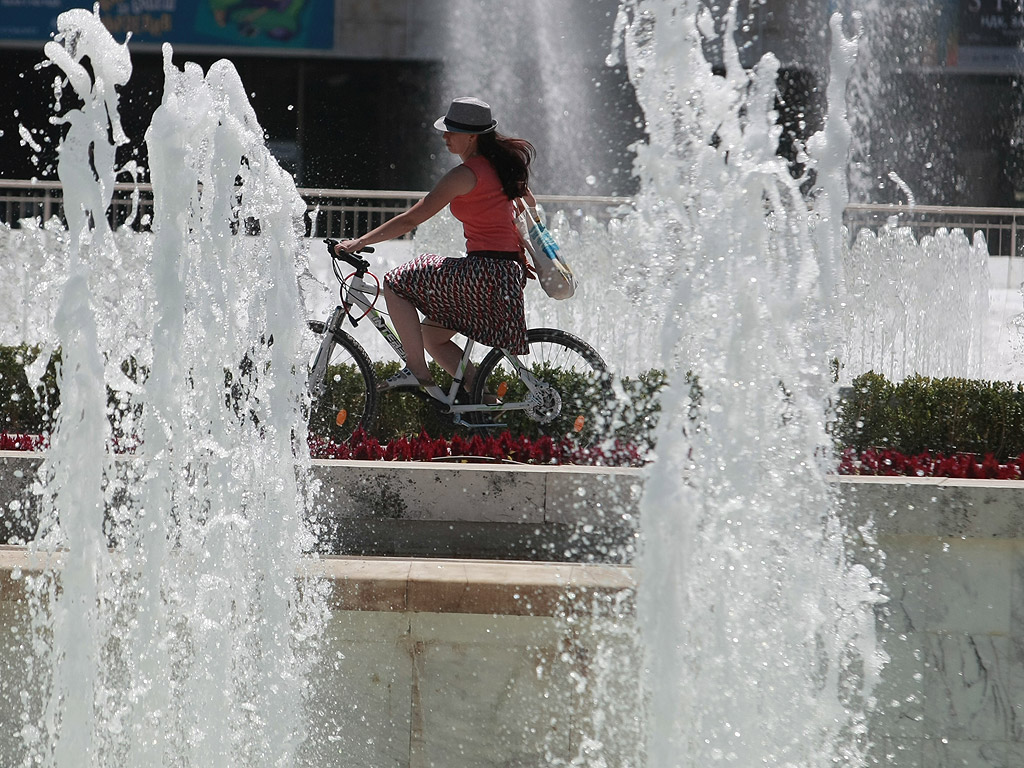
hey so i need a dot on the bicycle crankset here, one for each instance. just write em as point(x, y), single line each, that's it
point(545, 404)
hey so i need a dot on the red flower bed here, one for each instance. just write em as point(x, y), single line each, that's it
point(962, 465)
point(544, 450)
point(16, 442)
point(502, 447)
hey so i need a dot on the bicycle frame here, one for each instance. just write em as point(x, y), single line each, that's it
point(356, 292)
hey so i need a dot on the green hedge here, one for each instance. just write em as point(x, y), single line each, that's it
point(25, 408)
point(402, 414)
point(939, 415)
point(920, 414)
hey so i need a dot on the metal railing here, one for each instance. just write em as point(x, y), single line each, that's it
point(345, 212)
point(329, 212)
point(1001, 226)
point(29, 200)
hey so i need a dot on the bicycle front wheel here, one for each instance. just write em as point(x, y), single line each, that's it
point(575, 397)
point(349, 397)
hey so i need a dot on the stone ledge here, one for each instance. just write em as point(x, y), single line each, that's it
point(474, 493)
point(934, 506)
point(478, 493)
point(498, 507)
point(436, 509)
point(411, 585)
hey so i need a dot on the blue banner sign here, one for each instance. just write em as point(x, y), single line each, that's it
point(990, 35)
point(300, 24)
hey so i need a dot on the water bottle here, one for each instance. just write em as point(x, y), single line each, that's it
point(547, 243)
point(540, 236)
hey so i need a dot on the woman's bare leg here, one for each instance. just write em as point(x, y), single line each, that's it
point(406, 320)
point(448, 354)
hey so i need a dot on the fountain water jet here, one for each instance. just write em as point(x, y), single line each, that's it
point(759, 631)
point(754, 525)
point(186, 646)
point(539, 65)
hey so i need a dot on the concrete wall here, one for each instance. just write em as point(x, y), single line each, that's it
point(507, 664)
point(482, 510)
point(951, 556)
point(435, 663)
point(586, 514)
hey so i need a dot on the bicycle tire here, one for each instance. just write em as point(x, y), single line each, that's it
point(349, 397)
point(573, 368)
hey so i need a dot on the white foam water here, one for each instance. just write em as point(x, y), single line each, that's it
point(185, 644)
point(758, 627)
point(191, 644)
point(915, 306)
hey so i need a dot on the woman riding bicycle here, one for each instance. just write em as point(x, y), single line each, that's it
point(481, 295)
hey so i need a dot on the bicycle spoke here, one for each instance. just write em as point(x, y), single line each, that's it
point(570, 395)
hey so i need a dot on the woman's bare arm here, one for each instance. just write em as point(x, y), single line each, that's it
point(458, 181)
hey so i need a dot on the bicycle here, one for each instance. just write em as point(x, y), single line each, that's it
point(561, 386)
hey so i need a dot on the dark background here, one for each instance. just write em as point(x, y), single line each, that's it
point(351, 124)
point(952, 130)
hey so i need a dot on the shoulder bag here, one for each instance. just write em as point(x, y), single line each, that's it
point(553, 273)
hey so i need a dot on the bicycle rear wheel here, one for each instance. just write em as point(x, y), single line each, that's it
point(349, 397)
point(578, 401)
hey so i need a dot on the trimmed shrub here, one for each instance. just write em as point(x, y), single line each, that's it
point(921, 414)
point(401, 414)
point(26, 408)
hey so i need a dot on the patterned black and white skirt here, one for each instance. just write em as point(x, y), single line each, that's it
point(479, 296)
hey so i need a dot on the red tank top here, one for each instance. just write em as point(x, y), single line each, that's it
point(486, 214)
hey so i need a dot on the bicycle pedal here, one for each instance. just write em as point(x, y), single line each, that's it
point(317, 326)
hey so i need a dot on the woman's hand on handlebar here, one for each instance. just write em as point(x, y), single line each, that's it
point(349, 246)
point(347, 249)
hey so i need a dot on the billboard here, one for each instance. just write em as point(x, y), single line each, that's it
point(298, 24)
point(990, 34)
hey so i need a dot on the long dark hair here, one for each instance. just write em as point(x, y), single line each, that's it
point(511, 159)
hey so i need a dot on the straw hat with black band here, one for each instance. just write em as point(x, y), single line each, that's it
point(467, 115)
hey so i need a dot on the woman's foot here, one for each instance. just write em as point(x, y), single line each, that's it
point(406, 379)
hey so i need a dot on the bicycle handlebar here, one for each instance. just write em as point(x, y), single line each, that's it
point(346, 256)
